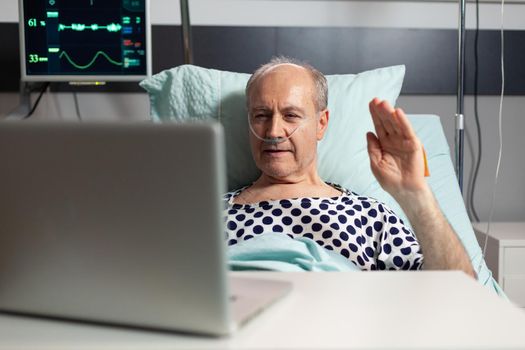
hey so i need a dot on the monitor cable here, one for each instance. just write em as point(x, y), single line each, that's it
point(33, 109)
point(77, 108)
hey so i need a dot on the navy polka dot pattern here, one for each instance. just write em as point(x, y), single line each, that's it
point(359, 228)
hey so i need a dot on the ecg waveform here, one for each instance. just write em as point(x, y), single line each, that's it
point(85, 39)
point(78, 27)
point(86, 66)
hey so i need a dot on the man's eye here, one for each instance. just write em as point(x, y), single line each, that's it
point(259, 118)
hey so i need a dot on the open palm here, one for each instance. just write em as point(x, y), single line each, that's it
point(396, 154)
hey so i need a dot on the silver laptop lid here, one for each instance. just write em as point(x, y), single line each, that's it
point(114, 222)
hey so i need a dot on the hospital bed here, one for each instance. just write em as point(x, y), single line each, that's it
point(194, 93)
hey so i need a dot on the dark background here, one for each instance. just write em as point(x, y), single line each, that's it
point(430, 55)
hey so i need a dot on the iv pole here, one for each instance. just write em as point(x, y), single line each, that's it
point(458, 139)
point(186, 31)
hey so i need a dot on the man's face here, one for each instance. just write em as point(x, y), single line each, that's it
point(281, 101)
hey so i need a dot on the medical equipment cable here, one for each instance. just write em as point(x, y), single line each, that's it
point(77, 108)
point(33, 109)
point(472, 189)
point(500, 132)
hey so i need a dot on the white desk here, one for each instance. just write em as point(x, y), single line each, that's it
point(374, 310)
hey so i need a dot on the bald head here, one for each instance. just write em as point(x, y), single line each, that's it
point(284, 79)
point(289, 68)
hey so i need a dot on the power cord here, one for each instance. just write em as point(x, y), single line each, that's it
point(472, 187)
point(33, 109)
point(500, 132)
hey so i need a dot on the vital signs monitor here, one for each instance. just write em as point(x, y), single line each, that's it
point(85, 40)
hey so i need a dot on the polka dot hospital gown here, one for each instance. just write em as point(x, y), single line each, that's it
point(360, 228)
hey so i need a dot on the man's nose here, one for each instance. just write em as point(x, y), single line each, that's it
point(275, 127)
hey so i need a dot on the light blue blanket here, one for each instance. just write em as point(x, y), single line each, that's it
point(279, 252)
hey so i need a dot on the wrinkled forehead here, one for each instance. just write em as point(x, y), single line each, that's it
point(285, 83)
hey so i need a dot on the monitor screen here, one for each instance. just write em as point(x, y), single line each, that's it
point(85, 40)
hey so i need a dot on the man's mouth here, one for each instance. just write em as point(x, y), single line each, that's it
point(275, 152)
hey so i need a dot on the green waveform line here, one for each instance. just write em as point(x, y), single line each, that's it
point(78, 27)
point(86, 66)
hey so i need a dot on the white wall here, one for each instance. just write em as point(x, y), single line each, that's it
point(510, 196)
point(409, 14)
point(364, 13)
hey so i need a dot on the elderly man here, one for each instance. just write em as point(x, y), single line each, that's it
point(288, 115)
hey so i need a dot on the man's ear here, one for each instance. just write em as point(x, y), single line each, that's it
point(322, 123)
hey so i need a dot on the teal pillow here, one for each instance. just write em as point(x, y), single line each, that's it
point(194, 93)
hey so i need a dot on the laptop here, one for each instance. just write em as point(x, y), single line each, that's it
point(120, 224)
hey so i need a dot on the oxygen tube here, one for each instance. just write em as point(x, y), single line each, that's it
point(273, 140)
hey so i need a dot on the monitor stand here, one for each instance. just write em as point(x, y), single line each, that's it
point(24, 106)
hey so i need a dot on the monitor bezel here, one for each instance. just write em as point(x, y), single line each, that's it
point(81, 78)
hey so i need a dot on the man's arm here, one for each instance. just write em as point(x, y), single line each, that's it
point(441, 247)
point(397, 161)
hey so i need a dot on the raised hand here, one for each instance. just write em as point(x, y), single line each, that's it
point(396, 153)
point(397, 161)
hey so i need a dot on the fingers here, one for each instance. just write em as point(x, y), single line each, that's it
point(382, 111)
point(393, 121)
point(405, 128)
point(376, 119)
